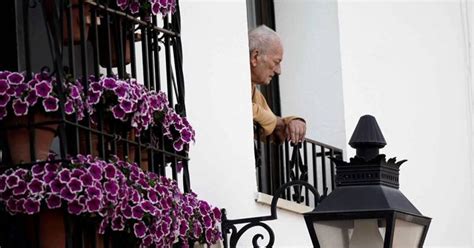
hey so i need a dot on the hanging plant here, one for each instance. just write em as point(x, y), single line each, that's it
point(121, 195)
point(148, 7)
point(36, 98)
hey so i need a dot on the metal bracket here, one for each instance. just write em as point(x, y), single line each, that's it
point(229, 226)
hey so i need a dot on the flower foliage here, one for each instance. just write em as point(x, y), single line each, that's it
point(154, 7)
point(18, 95)
point(126, 100)
point(130, 102)
point(177, 129)
point(124, 197)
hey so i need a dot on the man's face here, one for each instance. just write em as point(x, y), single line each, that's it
point(264, 66)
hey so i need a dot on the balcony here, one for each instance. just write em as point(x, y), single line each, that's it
point(309, 161)
point(80, 45)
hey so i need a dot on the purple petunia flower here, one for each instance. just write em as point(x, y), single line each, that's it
point(155, 8)
point(118, 113)
point(118, 223)
point(165, 226)
point(122, 90)
point(12, 181)
point(37, 169)
point(31, 206)
point(204, 207)
point(4, 74)
point(31, 98)
point(20, 188)
point(69, 107)
point(93, 204)
point(134, 7)
point(51, 167)
point(109, 83)
point(163, 3)
point(217, 213)
point(77, 173)
point(207, 221)
point(127, 212)
point(20, 107)
point(4, 86)
point(186, 135)
point(48, 177)
point(93, 98)
point(139, 229)
point(178, 145)
point(36, 186)
point(95, 171)
point(43, 89)
point(56, 186)
point(53, 201)
point(152, 196)
point(94, 192)
point(122, 2)
point(64, 175)
point(11, 91)
point(20, 172)
point(75, 185)
point(15, 78)
point(86, 179)
point(183, 227)
point(67, 195)
point(111, 187)
point(75, 207)
point(95, 87)
point(20, 90)
point(209, 236)
point(110, 171)
point(50, 104)
point(75, 93)
point(12, 205)
point(135, 197)
point(148, 240)
point(148, 207)
point(4, 100)
point(137, 212)
point(126, 106)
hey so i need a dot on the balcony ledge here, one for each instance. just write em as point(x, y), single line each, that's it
point(294, 207)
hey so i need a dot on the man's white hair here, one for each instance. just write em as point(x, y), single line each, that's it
point(260, 39)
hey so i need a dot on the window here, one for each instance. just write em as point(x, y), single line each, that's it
point(277, 164)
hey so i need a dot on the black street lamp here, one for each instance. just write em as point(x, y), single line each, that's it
point(366, 209)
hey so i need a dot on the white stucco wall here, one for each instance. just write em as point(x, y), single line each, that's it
point(217, 77)
point(311, 80)
point(405, 63)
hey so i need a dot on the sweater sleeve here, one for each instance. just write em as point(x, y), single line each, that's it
point(262, 114)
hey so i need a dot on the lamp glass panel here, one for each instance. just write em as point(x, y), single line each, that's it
point(359, 233)
point(407, 234)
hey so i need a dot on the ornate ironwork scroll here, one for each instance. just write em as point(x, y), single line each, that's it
point(229, 225)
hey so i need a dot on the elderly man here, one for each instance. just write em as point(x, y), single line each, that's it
point(266, 54)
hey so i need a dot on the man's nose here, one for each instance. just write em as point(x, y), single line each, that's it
point(277, 70)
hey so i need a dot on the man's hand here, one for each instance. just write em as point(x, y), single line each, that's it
point(296, 130)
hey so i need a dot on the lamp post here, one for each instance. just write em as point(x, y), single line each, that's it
point(366, 209)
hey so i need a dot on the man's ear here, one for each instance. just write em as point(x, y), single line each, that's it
point(253, 57)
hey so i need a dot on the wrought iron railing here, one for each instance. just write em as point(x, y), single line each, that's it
point(105, 45)
point(279, 163)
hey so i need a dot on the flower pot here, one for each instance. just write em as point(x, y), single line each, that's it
point(18, 139)
point(51, 231)
point(75, 19)
point(104, 45)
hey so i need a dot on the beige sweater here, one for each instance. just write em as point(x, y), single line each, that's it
point(263, 115)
